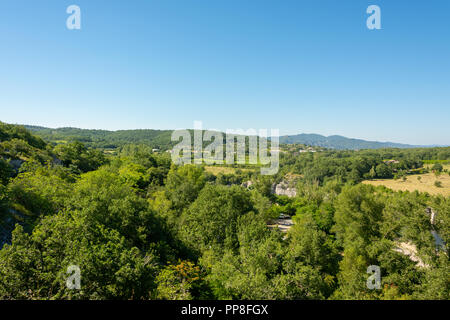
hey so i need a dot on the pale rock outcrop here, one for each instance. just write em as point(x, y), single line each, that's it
point(284, 189)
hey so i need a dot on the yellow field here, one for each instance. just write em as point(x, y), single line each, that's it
point(215, 170)
point(426, 184)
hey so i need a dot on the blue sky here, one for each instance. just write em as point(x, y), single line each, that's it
point(299, 66)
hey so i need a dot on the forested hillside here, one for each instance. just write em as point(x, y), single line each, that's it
point(140, 227)
point(106, 139)
point(161, 139)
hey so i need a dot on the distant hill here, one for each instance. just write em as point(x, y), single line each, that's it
point(106, 139)
point(161, 139)
point(340, 142)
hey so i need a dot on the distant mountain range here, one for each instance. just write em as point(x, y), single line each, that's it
point(340, 142)
point(161, 139)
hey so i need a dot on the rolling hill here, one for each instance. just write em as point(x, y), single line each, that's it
point(161, 139)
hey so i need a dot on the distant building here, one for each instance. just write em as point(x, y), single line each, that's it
point(309, 149)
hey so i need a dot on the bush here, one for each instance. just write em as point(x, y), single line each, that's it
point(437, 167)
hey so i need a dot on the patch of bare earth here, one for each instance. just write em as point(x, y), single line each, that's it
point(410, 249)
point(426, 183)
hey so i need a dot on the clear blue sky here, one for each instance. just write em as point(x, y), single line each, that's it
point(300, 66)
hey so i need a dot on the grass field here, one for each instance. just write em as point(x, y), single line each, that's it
point(215, 170)
point(426, 184)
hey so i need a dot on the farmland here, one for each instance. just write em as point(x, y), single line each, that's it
point(215, 170)
point(412, 183)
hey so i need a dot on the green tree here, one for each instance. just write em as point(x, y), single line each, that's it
point(181, 282)
point(437, 167)
point(212, 219)
point(34, 266)
point(372, 173)
point(383, 171)
point(184, 184)
point(6, 171)
point(358, 215)
point(80, 159)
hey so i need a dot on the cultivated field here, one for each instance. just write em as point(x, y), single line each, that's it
point(215, 170)
point(426, 183)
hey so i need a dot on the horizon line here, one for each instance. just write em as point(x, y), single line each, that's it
point(284, 135)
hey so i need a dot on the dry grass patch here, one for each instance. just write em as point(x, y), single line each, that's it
point(412, 183)
point(215, 170)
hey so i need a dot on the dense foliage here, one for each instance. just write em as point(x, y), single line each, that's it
point(140, 227)
point(355, 166)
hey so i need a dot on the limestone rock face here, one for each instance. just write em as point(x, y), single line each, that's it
point(283, 189)
point(409, 249)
